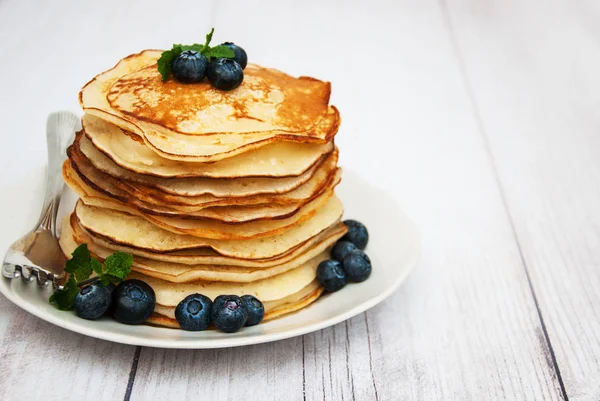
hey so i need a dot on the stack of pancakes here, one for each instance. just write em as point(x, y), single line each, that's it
point(212, 192)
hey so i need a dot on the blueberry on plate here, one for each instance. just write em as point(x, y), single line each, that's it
point(255, 308)
point(225, 73)
point(357, 233)
point(240, 54)
point(189, 66)
point(229, 313)
point(357, 266)
point(341, 249)
point(92, 301)
point(193, 313)
point(134, 302)
point(331, 275)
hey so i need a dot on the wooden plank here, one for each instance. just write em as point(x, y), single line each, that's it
point(262, 372)
point(338, 364)
point(534, 72)
point(464, 326)
point(41, 361)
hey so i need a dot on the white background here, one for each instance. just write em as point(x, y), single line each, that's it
point(479, 117)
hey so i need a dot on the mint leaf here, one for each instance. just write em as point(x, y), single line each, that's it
point(208, 39)
point(96, 266)
point(118, 265)
point(79, 264)
point(64, 299)
point(220, 52)
point(79, 257)
point(197, 47)
point(83, 272)
point(166, 60)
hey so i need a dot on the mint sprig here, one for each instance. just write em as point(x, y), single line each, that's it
point(65, 297)
point(209, 37)
point(166, 58)
point(219, 52)
point(80, 267)
point(116, 267)
point(80, 263)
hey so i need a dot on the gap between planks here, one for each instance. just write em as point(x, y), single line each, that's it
point(132, 373)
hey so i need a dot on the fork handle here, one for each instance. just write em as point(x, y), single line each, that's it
point(60, 127)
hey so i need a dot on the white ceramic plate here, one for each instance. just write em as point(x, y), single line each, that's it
point(393, 248)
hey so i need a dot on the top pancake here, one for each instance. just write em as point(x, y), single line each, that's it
point(280, 159)
point(196, 122)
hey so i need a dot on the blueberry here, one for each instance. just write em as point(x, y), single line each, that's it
point(331, 275)
point(225, 73)
point(229, 313)
point(357, 234)
point(357, 266)
point(240, 54)
point(193, 313)
point(341, 249)
point(92, 301)
point(134, 302)
point(255, 308)
point(189, 66)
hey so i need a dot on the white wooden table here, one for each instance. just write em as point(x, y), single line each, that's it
point(480, 117)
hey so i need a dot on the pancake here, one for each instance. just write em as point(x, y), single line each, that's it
point(199, 149)
point(195, 121)
point(94, 184)
point(326, 176)
point(275, 288)
point(270, 314)
point(267, 100)
point(225, 214)
point(165, 314)
point(236, 214)
point(269, 289)
point(214, 229)
point(271, 307)
point(279, 159)
point(180, 273)
point(196, 186)
point(205, 256)
point(137, 232)
point(294, 302)
point(148, 199)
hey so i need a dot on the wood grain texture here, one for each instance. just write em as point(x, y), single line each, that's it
point(465, 325)
point(261, 372)
point(542, 124)
point(41, 361)
point(338, 362)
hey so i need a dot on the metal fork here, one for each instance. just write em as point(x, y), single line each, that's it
point(37, 255)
